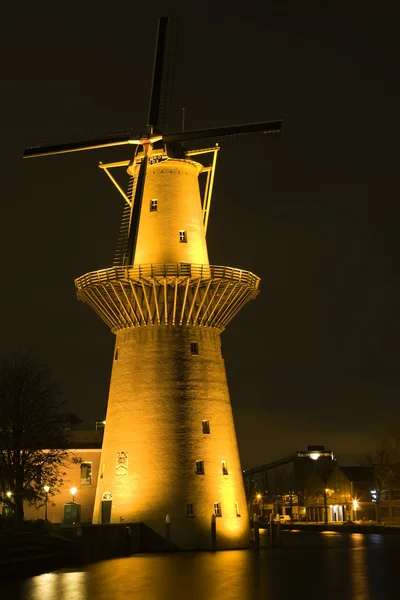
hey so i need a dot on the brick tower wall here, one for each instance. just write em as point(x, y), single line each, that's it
point(159, 395)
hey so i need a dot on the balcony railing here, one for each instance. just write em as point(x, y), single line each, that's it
point(157, 271)
point(170, 294)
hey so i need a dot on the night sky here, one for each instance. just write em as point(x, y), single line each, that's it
point(314, 360)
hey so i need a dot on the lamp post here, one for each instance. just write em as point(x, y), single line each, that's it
point(46, 489)
point(73, 492)
point(8, 509)
point(258, 498)
point(355, 506)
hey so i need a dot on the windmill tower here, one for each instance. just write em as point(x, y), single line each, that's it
point(169, 449)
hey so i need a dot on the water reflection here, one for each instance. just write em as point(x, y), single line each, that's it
point(195, 575)
point(358, 567)
point(309, 564)
point(62, 585)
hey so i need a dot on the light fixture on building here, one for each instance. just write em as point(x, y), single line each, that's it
point(73, 492)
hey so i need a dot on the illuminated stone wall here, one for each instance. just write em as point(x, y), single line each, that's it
point(160, 391)
point(159, 395)
point(174, 184)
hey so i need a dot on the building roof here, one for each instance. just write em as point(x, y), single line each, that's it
point(300, 454)
point(358, 474)
point(85, 440)
point(272, 465)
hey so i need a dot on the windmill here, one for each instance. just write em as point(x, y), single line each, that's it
point(169, 446)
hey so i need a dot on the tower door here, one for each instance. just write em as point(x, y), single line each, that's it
point(106, 504)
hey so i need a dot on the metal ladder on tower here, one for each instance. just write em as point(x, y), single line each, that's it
point(121, 249)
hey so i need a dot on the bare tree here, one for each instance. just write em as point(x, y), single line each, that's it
point(319, 486)
point(33, 434)
point(286, 486)
point(384, 461)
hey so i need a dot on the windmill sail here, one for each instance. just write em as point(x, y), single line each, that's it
point(37, 148)
point(167, 86)
point(265, 127)
point(136, 210)
point(156, 87)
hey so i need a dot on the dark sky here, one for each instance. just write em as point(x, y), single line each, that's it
point(314, 360)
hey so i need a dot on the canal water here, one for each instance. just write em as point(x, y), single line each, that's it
point(320, 565)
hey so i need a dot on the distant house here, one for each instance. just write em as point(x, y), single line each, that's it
point(286, 486)
point(361, 481)
point(83, 477)
point(309, 484)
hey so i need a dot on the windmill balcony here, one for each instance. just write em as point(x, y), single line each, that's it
point(170, 294)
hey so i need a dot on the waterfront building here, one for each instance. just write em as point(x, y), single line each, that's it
point(309, 484)
point(80, 475)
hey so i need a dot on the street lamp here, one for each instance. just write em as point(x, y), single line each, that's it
point(46, 489)
point(355, 506)
point(73, 492)
point(259, 498)
point(8, 494)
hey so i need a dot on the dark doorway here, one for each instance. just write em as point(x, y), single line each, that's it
point(106, 511)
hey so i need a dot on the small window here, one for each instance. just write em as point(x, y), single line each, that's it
point(237, 509)
point(206, 426)
point(182, 236)
point(86, 473)
point(194, 348)
point(385, 512)
point(224, 467)
point(153, 205)
point(217, 509)
point(189, 509)
point(200, 467)
point(116, 354)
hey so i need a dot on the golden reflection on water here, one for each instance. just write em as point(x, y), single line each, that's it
point(222, 575)
point(43, 586)
point(60, 585)
point(228, 575)
point(327, 567)
point(358, 567)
